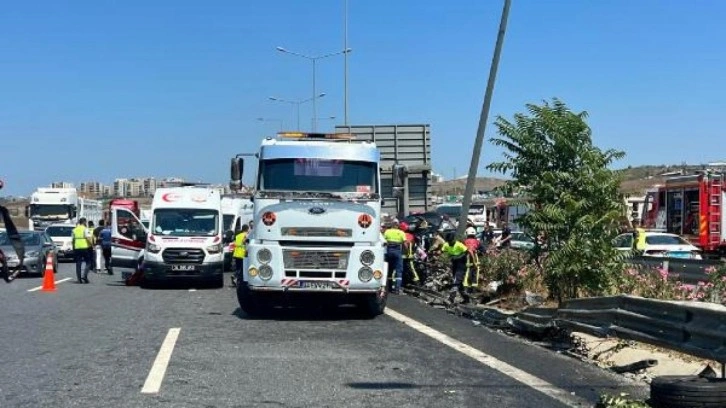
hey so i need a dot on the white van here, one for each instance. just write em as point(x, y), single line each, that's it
point(236, 211)
point(185, 237)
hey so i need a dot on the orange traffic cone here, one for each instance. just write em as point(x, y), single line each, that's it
point(48, 277)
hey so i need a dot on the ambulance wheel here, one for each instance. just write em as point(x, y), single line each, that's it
point(247, 300)
point(373, 305)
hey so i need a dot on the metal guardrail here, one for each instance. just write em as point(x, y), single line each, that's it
point(694, 328)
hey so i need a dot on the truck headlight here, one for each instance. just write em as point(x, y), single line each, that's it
point(265, 272)
point(365, 274)
point(264, 256)
point(367, 257)
point(153, 248)
point(214, 249)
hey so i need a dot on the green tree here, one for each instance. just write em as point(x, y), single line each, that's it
point(575, 206)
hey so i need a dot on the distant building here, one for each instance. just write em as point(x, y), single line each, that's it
point(120, 187)
point(148, 186)
point(61, 184)
point(92, 188)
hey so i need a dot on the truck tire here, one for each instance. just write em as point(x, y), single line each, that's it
point(675, 391)
point(247, 300)
point(373, 305)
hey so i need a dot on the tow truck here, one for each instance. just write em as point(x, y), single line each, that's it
point(690, 206)
point(316, 216)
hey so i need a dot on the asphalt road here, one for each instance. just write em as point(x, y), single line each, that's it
point(94, 345)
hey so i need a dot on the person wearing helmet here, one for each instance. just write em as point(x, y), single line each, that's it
point(476, 248)
point(409, 246)
point(457, 252)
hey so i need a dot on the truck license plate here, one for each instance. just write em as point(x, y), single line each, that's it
point(183, 267)
point(316, 285)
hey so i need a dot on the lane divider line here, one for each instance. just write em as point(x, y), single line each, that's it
point(515, 373)
point(56, 282)
point(158, 369)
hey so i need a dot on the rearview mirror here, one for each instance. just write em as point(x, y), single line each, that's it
point(236, 170)
point(399, 175)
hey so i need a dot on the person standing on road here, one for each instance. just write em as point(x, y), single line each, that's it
point(240, 253)
point(394, 253)
point(409, 251)
point(92, 244)
point(81, 253)
point(97, 252)
point(457, 252)
point(105, 238)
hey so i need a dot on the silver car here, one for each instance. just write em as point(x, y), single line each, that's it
point(38, 246)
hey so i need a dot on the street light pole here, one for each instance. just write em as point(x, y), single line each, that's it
point(483, 117)
point(314, 60)
point(297, 104)
point(315, 105)
point(345, 63)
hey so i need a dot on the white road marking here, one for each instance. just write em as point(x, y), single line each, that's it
point(56, 282)
point(515, 373)
point(158, 370)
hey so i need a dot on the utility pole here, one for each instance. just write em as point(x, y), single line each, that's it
point(345, 63)
point(483, 122)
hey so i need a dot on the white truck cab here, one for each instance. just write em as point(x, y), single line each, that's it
point(185, 238)
point(317, 207)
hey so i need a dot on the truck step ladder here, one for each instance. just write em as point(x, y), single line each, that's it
point(715, 191)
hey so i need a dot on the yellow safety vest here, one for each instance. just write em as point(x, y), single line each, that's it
point(640, 243)
point(394, 236)
point(456, 250)
point(79, 237)
point(240, 250)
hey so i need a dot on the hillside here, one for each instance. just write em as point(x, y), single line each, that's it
point(635, 179)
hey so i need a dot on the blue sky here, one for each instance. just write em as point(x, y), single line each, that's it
point(172, 88)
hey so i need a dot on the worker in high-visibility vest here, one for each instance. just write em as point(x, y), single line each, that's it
point(457, 252)
point(81, 245)
point(240, 252)
point(394, 253)
point(639, 241)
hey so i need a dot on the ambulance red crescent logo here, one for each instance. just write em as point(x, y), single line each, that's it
point(169, 197)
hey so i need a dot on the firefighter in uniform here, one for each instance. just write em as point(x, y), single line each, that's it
point(81, 251)
point(394, 253)
point(240, 252)
point(409, 249)
point(457, 252)
point(476, 249)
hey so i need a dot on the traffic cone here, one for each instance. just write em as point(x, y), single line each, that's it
point(48, 277)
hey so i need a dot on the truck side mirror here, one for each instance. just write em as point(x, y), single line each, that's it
point(399, 175)
point(236, 169)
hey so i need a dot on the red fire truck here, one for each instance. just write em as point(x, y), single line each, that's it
point(691, 206)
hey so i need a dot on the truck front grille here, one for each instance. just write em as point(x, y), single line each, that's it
point(315, 259)
point(317, 232)
point(183, 255)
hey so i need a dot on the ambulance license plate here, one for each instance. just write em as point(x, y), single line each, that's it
point(318, 285)
point(183, 267)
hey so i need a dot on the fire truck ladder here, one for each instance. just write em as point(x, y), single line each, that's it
point(716, 207)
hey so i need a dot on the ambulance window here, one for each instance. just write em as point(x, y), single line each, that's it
point(238, 224)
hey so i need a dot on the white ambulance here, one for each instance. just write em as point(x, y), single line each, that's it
point(185, 237)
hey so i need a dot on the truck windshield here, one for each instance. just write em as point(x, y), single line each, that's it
point(183, 222)
point(50, 210)
point(318, 175)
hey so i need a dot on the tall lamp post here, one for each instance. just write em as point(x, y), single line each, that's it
point(280, 121)
point(313, 59)
point(297, 104)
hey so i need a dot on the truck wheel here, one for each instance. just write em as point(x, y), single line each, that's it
point(246, 299)
point(687, 391)
point(373, 305)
